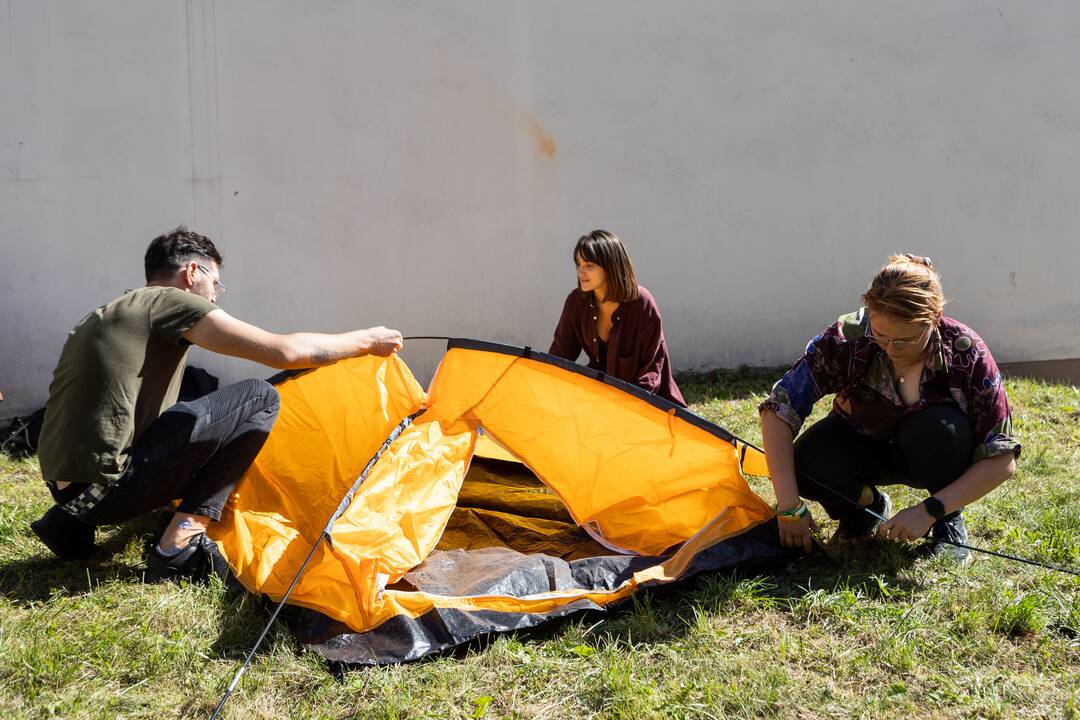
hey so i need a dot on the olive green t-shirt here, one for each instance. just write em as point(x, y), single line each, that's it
point(119, 370)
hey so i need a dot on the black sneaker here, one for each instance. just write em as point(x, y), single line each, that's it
point(950, 529)
point(200, 559)
point(68, 537)
point(861, 524)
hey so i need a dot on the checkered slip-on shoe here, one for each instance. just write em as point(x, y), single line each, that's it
point(200, 559)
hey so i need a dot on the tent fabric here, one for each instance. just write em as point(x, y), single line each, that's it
point(405, 637)
point(589, 489)
point(642, 476)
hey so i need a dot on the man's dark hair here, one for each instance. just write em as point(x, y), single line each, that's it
point(167, 253)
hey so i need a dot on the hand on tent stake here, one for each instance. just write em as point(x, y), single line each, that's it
point(798, 534)
point(911, 523)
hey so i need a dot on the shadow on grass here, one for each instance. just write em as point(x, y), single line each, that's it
point(42, 577)
point(38, 578)
point(836, 580)
point(858, 571)
point(243, 617)
point(728, 384)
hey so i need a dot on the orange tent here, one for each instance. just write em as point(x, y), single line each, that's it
point(520, 487)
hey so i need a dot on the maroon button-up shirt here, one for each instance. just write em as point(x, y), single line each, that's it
point(636, 349)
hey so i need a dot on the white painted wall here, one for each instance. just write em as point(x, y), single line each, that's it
point(429, 165)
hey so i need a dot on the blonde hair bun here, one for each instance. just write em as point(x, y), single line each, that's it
point(912, 258)
point(908, 289)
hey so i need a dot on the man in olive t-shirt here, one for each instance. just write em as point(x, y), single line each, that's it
point(119, 370)
point(116, 444)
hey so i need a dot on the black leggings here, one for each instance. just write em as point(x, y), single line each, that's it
point(195, 451)
point(930, 449)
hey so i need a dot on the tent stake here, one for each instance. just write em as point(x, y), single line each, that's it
point(1028, 561)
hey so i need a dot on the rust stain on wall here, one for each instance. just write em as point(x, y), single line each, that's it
point(545, 144)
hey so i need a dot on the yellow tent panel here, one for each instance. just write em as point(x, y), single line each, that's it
point(522, 487)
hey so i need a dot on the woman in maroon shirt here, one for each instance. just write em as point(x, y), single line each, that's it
point(614, 320)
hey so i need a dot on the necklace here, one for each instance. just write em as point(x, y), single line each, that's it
point(899, 373)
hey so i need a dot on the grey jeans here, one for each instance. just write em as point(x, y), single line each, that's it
point(195, 451)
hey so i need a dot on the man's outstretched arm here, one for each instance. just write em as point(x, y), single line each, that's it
point(222, 333)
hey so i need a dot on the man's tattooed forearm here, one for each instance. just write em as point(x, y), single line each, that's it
point(322, 356)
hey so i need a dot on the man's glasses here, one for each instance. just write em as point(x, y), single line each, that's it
point(218, 287)
point(900, 343)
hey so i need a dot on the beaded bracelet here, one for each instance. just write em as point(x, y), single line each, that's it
point(793, 515)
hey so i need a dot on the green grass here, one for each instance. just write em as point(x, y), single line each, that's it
point(878, 630)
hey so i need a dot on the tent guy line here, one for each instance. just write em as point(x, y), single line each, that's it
point(1027, 561)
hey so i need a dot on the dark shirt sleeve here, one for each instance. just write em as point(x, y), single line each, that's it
point(566, 343)
point(823, 369)
point(988, 408)
point(650, 347)
point(173, 312)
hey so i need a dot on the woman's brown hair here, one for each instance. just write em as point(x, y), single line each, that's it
point(606, 250)
point(908, 289)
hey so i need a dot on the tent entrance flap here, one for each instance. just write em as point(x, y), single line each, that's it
point(502, 504)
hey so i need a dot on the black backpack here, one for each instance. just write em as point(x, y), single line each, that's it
point(20, 439)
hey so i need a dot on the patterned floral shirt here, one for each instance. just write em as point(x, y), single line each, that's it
point(844, 360)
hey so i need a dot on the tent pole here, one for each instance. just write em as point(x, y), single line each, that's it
point(324, 535)
point(269, 623)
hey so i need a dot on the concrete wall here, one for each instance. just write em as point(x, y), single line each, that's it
point(428, 165)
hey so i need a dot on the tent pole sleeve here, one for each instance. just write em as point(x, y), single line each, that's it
point(324, 535)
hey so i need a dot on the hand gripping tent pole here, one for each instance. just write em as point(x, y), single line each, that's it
point(324, 535)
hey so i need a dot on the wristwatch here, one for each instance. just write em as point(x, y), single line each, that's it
point(934, 507)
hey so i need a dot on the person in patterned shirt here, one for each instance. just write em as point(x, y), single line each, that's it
point(918, 401)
